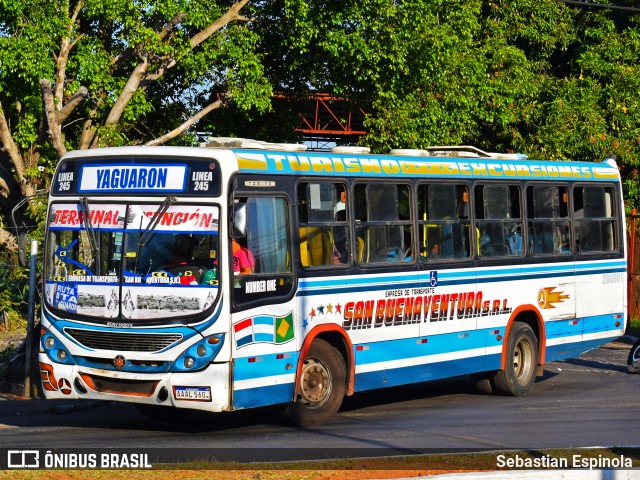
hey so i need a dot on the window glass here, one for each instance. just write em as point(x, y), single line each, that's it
point(595, 223)
point(268, 234)
point(499, 221)
point(549, 227)
point(323, 228)
point(443, 219)
point(133, 261)
point(383, 223)
point(261, 253)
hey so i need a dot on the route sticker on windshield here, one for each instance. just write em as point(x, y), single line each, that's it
point(194, 394)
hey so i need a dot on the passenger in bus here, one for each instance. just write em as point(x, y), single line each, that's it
point(243, 261)
point(340, 244)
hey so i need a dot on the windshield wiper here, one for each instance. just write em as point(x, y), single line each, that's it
point(88, 226)
point(148, 232)
point(91, 233)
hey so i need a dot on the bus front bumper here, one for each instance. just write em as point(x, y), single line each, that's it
point(207, 389)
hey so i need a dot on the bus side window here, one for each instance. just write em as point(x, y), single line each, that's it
point(443, 221)
point(499, 220)
point(383, 221)
point(323, 228)
point(548, 218)
point(595, 223)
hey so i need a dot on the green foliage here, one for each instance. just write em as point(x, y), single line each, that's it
point(545, 78)
point(541, 77)
point(111, 38)
point(13, 291)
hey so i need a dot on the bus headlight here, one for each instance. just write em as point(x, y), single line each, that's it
point(199, 355)
point(54, 348)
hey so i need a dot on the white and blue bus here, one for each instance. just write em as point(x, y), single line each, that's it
point(228, 278)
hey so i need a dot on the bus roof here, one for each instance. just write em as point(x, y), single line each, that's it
point(436, 162)
point(320, 163)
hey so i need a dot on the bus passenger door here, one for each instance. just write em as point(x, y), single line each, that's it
point(265, 326)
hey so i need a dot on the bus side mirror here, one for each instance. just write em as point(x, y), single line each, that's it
point(240, 220)
point(22, 249)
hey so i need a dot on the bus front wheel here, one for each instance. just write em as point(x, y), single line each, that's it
point(321, 387)
point(521, 362)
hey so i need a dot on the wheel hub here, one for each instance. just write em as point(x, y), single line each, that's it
point(522, 360)
point(315, 383)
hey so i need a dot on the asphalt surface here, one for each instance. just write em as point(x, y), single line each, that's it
point(573, 399)
point(11, 404)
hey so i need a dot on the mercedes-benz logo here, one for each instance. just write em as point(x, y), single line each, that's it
point(119, 362)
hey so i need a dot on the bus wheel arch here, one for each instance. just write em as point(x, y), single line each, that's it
point(522, 355)
point(323, 377)
point(521, 352)
point(530, 315)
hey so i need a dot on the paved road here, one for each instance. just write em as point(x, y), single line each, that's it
point(590, 401)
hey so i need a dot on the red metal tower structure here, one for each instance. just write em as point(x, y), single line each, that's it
point(328, 119)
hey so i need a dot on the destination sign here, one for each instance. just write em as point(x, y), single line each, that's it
point(137, 176)
point(140, 178)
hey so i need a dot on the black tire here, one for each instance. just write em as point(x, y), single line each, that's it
point(484, 382)
point(521, 363)
point(633, 361)
point(321, 388)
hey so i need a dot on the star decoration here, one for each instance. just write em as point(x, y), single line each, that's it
point(329, 308)
point(321, 309)
point(338, 308)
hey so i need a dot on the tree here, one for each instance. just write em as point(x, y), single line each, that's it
point(546, 78)
point(77, 74)
point(591, 108)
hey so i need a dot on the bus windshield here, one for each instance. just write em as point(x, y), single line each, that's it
point(132, 261)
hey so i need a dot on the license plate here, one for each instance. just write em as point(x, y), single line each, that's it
point(196, 394)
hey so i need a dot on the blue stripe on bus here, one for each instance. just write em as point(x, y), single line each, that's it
point(261, 396)
point(405, 349)
point(424, 372)
point(602, 323)
point(261, 366)
point(583, 326)
point(332, 287)
point(574, 349)
point(467, 275)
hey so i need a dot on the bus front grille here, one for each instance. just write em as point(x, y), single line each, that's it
point(120, 386)
point(119, 341)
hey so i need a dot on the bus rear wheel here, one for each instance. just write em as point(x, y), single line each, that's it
point(633, 360)
point(321, 387)
point(521, 363)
